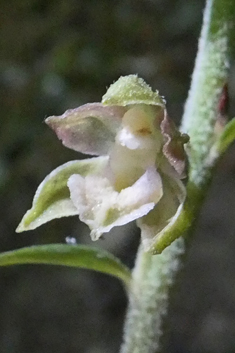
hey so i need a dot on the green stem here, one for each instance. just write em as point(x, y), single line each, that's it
point(209, 77)
point(201, 110)
point(154, 275)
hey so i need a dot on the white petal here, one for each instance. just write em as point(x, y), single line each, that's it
point(101, 207)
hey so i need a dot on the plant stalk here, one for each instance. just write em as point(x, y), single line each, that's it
point(208, 81)
point(154, 275)
point(149, 294)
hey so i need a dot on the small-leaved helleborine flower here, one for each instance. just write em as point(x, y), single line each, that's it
point(137, 174)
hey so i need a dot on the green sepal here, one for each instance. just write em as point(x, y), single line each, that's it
point(52, 198)
point(82, 256)
point(131, 90)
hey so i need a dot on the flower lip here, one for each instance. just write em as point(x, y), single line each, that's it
point(101, 207)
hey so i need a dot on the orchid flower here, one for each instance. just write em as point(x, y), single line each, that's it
point(136, 174)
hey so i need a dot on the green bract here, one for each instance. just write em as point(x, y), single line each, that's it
point(138, 171)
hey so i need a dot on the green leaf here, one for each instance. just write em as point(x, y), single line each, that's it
point(52, 198)
point(68, 255)
point(227, 137)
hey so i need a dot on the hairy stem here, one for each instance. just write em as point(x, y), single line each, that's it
point(202, 109)
point(208, 80)
point(154, 275)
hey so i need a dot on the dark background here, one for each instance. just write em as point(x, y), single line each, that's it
point(59, 54)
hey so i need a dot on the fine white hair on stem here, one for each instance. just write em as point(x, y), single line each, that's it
point(153, 277)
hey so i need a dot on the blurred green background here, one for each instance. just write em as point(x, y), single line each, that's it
point(60, 54)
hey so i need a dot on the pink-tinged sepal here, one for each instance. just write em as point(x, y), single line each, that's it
point(173, 148)
point(90, 129)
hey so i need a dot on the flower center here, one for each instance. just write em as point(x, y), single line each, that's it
point(136, 145)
